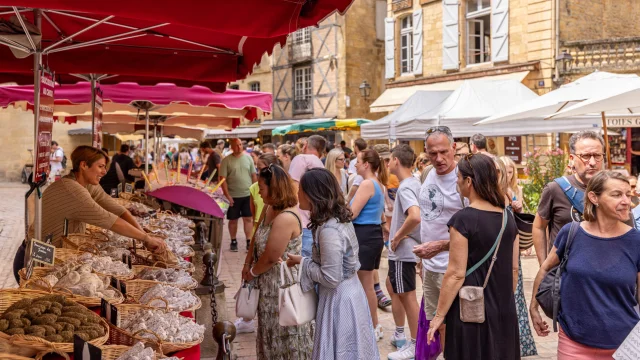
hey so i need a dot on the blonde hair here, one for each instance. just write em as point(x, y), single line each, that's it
point(330, 163)
point(513, 184)
point(502, 176)
point(597, 186)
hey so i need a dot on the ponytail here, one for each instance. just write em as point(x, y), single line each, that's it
point(377, 166)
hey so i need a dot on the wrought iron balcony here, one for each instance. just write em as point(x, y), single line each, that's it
point(622, 54)
point(300, 52)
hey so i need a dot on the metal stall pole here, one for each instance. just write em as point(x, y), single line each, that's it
point(146, 143)
point(37, 65)
point(93, 106)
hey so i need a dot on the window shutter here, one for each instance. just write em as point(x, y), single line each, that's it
point(500, 30)
point(389, 48)
point(417, 42)
point(450, 35)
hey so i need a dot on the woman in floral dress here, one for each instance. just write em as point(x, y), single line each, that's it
point(279, 233)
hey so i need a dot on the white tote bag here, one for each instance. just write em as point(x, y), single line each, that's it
point(247, 301)
point(295, 306)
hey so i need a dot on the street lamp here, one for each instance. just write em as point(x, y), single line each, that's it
point(565, 59)
point(365, 89)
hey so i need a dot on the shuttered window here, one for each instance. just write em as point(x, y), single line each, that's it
point(406, 45)
point(389, 48)
point(450, 35)
point(417, 42)
point(478, 17)
point(302, 90)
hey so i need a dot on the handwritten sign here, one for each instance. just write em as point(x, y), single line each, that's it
point(82, 350)
point(44, 126)
point(513, 148)
point(97, 119)
point(42, 252)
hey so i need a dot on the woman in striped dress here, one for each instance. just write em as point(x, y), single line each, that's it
point(344, 329)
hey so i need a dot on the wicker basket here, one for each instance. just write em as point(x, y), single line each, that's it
point(74, 241)
point(87, 301)
point(39, 356)
point(30, 344)
point(118, 336)
point(138, 282)
point(136, 293)
point(113, 352)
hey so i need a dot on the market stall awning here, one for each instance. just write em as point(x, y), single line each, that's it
point(598, 83)
point(321, 125)
point(190, 41)
point(165, 99)
point(417, 104)
point(476, 99)
point(242, 132)
point(272, 124)
point(392, 98)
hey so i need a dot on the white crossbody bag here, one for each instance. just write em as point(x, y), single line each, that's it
point(295, 307)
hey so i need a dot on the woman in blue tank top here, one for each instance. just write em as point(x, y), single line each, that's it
point(368, 211)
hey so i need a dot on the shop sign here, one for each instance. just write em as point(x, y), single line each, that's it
point(44, 126)
point(97, 119)
point(623, 122)
point(513, 148)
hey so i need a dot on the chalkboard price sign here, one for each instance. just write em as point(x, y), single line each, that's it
point(82, 350)
point(43, 252)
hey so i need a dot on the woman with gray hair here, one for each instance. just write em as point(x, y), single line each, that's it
point(601, 276)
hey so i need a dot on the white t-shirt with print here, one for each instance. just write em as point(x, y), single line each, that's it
point(439, 200)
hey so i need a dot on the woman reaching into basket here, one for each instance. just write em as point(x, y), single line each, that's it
point(278, 234)
point(79, 199)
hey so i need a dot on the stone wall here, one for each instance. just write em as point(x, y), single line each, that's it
point(363, 60)
point(598, 19)
point(16, 129)
point(530, 39)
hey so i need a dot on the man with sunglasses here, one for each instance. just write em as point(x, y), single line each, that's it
point(561, 200)
point(439, 200)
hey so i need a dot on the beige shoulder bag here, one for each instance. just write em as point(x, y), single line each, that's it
point(472, 297)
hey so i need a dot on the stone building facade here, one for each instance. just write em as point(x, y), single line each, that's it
point(318, 72)
point(443, 41)
point(260, 79)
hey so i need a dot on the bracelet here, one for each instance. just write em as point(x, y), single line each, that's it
point(251, 272)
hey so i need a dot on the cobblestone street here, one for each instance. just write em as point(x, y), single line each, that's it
point(12, 230)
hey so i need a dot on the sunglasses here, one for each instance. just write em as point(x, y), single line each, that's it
point(467, 158)
point(440, 129)
point(267, 174)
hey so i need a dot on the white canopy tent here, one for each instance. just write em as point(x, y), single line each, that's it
point(598, 83)
point(622, 101)
point(478, 99)
point(415, 105)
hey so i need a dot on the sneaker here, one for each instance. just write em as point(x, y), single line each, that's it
point(408, 352)
point(244, 326)
point(234, 245)
point(398, 341)
point(383, 301)
point(378, 332)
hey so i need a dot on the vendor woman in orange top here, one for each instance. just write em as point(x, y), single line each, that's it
point(79, 198)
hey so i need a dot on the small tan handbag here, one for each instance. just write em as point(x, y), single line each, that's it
point(472, 297)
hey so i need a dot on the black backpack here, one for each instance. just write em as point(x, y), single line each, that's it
point(64, 161)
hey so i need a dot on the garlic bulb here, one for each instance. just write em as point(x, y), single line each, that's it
point(170, 326)
point(138, 352)
point(178, 300)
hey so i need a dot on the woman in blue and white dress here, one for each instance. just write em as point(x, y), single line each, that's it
point(344, 328)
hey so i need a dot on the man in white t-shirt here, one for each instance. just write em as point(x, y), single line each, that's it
point(439, 200)
point(55, 160)
point(309, 159)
